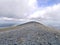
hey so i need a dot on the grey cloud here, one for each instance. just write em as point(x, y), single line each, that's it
point(13, 8)
point(21, 9)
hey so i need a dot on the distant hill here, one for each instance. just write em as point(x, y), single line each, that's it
point(6, 25)
point(30, 33)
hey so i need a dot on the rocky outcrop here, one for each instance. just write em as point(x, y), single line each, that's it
point(31, 33)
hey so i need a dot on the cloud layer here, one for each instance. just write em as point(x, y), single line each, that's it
point(16, 8)
point(49, 13)
point(27, 9)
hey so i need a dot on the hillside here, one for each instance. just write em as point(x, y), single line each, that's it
point(31, 33)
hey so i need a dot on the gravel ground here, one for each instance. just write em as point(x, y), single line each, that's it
point(31, 33)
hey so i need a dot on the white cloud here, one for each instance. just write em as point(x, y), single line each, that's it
point(37, 14)
point(13, 19)
point(24, 9)
point(50, 13)
point(6, 18)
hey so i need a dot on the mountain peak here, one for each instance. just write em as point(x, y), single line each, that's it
point(33, 22)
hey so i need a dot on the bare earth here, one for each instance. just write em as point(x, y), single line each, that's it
point(31, 33)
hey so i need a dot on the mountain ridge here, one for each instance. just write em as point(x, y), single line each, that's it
point(32, 23)
point(31, 33)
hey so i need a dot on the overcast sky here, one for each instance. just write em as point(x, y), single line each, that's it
point(29, 9)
